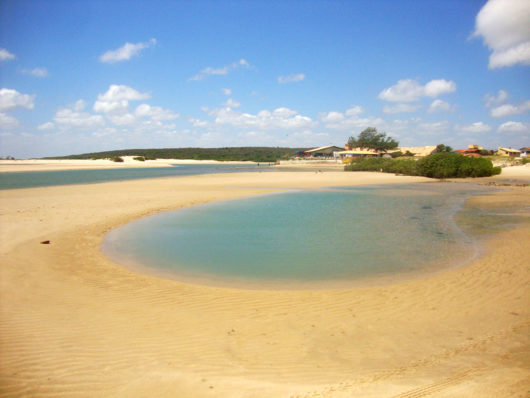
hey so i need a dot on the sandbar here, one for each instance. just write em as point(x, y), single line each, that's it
point(75, 324)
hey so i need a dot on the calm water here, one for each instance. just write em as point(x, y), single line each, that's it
point(68, 177)
point(323, 235)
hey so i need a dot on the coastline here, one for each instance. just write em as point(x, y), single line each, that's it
point(74, 323)
point(13, 166)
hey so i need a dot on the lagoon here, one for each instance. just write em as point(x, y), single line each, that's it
point(326, 235)
point(15, 180)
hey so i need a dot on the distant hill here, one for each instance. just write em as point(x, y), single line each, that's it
point(255, 154)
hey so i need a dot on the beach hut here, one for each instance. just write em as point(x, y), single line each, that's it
point(508, 152)
point(323, 152)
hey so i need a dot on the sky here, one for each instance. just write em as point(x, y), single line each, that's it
point(86, 76)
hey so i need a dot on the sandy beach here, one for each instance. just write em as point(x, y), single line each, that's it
point(9, 166)
point(75, 324)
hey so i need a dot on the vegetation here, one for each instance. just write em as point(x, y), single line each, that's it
point(117, 159)
point(256, 154)
point(139, 158)
point(442, 148)
point(438, 165)
point(371, 138)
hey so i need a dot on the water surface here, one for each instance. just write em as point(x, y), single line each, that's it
point(32, 179)
point(335, 234)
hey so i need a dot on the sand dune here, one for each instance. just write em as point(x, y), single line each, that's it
point(75, 324)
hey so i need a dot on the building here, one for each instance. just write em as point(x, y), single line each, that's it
point(508, 152)
point(525, 151)
point(471, 151)
point(323, 152)
point(360, 152)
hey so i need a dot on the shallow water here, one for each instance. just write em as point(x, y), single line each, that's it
point(336, 234)
point(32, 179)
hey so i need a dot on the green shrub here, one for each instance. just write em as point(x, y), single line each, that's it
point(450, 165)
point(117, 159)
point(139, 158)
point(396, 154)
point(438, 165)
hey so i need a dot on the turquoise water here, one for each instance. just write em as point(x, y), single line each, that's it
point(68, 177)
point(322, 235)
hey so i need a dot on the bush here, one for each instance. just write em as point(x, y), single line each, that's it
point(396, 154)
point(117, 159)
point(438, 165)
point(448, 165)
point(139, 158)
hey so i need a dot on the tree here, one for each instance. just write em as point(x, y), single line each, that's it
point(442, 148)
point(371, 138)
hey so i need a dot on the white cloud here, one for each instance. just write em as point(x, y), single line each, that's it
point(435, 88)
point(230, 103)
point(6, 55)
point(495, 100)
point(280, 118)
point(439, 106)
point(11, 99)
point(126, 52)
point(227, 91)
point(155, 112)
point(117, 98)
point(36, 72)
point(401, 108)
point(509, 109)
point(209, 71)
point(477, 127)
point(514, 127)
point(408, 90)
point(46, 126)
point(74, 117)
point(504, 27)
point(7, 121)
point(349, 119)
point(298, 77)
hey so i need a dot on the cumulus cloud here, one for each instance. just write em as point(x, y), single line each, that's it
point(7, 121)
point(117, 98)
point(401, 108)
point(492, 100)
point(210, 71)
point(477, 127)
point(298, 77)
point(504, 27)
point(46, 126)
point(514, 127)
point(349, 119)
point(126, 52)
point(6, 55)
point(280, 118)
point(74, 117)
point(11, 99)
point(408, 90)
point(510, 109)
point(36, 72)
point(231, 103)
point(155, 112)
point(439, 106)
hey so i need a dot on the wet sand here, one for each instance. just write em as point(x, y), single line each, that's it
point(75, 324)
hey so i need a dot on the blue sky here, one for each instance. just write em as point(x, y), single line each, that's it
point(85, 76)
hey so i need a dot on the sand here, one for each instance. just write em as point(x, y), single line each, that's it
point(79, 164)
point(74, 324)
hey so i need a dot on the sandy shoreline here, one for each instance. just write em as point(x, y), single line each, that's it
point(75, 324)
point(10, 166)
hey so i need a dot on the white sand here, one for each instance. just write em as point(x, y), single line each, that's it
point(74, 324)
